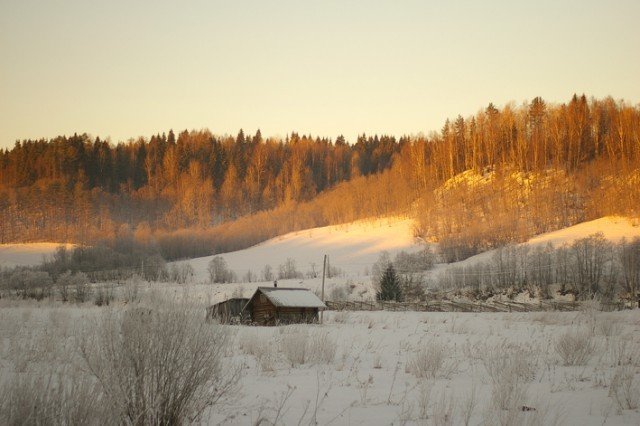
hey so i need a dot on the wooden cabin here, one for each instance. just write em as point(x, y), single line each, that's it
point(277, 305)
point(229, 311)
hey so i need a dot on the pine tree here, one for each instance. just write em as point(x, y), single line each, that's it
point(389, 286)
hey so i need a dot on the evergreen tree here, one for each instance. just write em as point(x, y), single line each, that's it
point(389, 286)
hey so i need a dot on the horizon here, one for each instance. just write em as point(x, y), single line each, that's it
point(121, 71)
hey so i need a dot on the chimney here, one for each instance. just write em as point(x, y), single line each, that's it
point(275, 283)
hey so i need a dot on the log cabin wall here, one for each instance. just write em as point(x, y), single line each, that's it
point(263, 311)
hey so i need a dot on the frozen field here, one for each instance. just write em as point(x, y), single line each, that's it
point(376, 368)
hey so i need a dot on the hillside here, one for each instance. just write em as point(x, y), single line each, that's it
point(613, 228)
point(351, 248)
point(500, 176)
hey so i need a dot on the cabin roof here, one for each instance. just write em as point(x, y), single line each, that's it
point(291, 297)
point(232, 299)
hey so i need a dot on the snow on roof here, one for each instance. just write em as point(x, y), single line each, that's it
point(292, 297)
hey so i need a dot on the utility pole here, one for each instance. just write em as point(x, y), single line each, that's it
point(324, 270)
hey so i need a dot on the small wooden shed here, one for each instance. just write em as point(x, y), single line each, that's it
point(229, 311)
point(279, 305)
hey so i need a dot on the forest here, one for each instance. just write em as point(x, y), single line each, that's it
point(484, 181)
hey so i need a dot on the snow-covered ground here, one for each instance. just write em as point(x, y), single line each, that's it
point(392, 368)
point(613, 228)
point(352, 248)
point(382, 367)
point(26, 254)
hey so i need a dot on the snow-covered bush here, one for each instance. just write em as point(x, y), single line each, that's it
point(53, 398)
point(302, 346)
point(434, 359)
point(575, 347)
point(157, 366)
point(625, 389)
point(511, 369)
point(608, 326)
point(293, 344)
point(322, 347)
point(260, 347)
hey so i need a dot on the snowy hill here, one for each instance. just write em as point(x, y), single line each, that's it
point(613, 228)
point(352, 248)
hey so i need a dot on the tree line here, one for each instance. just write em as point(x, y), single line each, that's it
point(80, 189)
point(491, 179)
point(587, 268)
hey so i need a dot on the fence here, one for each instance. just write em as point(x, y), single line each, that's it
point(451, 306)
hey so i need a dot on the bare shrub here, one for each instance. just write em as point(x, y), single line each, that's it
point(31, 284)
point(301, 346)
point(294, 345)
point(52, 398)
point(423, 399)
point(103, 295)
point(433, 360)
point(219, 272)
point(322, 348)
point(419, 261)
point(510, 369)
point(623, 351)
point(288, 270)
point(160, 366)
point(181, 273)
point(260, 347)
point(468, 404)
point(608, 327)
point(575, 347)
point(73, 285)
point(443, 410)
point(625, 389)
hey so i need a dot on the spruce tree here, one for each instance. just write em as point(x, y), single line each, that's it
point(390, 286)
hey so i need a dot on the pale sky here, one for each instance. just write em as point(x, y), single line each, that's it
point(124, 69)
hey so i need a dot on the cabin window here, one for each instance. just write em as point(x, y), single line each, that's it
point(263, 299)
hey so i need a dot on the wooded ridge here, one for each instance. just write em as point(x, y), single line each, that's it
point(496, 177)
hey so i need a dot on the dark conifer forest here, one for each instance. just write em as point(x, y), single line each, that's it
point(497, 177)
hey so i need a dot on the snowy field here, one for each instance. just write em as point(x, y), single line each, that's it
point(578, 368)
point(365, 368)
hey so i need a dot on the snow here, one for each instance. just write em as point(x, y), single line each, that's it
point(30, 254)
point(294, 298)
point(367, 376)
point(613, 228)
point(352, 247)
point(364, 375)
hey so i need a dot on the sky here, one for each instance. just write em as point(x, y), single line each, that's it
point(122, 69)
